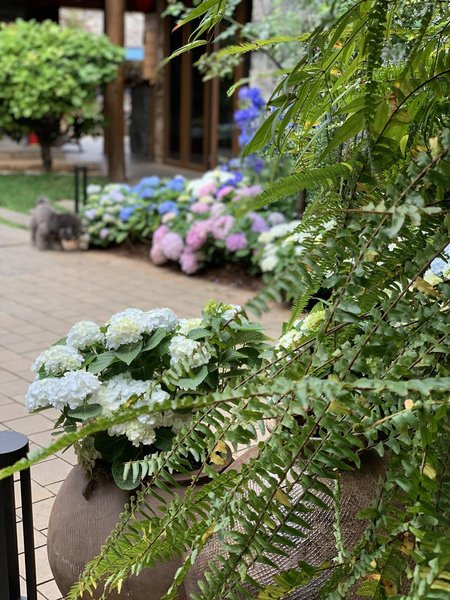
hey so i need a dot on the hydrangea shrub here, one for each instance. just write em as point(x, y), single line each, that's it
point(140, 360)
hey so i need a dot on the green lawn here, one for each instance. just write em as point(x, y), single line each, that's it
point(19, 192)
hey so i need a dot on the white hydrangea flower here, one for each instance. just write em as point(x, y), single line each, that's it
point(84, 334)
point(289, 339)
point(58, 359)
point(70, 390)
point(269, 259)
point(138, 433)
point(231, 310)
point(311, 322)
point(188, 353)
point(115, 392)
point(127, 327)
point(187, 325)
point(277, 231)
point(161, 317)
point(93, 188)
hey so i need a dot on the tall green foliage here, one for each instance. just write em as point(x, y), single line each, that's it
point(367, 370)
point(47, 74)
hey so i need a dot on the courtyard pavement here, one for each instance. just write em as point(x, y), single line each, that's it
point(41, 295)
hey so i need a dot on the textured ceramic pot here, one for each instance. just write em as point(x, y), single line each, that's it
point(357, 489)
point(79, 526)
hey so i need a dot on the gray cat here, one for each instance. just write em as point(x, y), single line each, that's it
point(49, 228)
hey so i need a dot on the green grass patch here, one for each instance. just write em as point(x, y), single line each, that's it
point(19, 192)
point(12, 224)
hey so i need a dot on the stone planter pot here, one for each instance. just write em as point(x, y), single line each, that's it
point(318, 544)
point(79, 526)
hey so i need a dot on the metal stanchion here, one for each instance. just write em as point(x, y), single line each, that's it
point(14, 446)
point(80, 175)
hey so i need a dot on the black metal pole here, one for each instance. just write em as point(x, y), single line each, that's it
point(84, 185)
point(28, 533)
point(14, 446)
point(77, 189)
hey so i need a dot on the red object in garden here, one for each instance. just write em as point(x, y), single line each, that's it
point(33, 138)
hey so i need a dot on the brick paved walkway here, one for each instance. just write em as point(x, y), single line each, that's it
point(41, 295)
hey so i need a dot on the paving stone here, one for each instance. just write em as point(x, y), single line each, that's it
point(50, 471)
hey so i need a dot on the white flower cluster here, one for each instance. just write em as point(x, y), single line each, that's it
point(187, 325)
point(188, 353)
point(301, 329)
point(84, 334)
point(127, 327)
point(58, 359)
point(70, 390)
point(271, 241)
point(117, 391)
point(231, 311)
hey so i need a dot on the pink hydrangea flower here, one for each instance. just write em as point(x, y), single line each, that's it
point(103, 233)
point(157, 256)
point(207, 188)
point(172, 245)
point(222, 226)
point(190, 262)
point(236, 241)
point(160, 233)
point(199, 208)
point(217, 209)
point(198, 234)
point(227, 189)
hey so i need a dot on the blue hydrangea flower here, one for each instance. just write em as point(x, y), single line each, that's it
point(147, 192)
point(126, 213)
point(168, 206)
point(152, 181)
point(237, 178)
point(176, 184)
point(252, 95)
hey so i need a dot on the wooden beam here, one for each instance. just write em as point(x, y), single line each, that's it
point(114, 25)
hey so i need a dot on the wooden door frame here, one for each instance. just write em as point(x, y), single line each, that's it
point(210, 103)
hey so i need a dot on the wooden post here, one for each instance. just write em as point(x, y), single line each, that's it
point(114, 22)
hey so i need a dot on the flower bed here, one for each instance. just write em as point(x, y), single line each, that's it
point(194, 223)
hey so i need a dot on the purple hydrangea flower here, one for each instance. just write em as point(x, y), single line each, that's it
point(236, 241)
point(276, 218)
point(104, 233)
point(90, 214)
point(116, 196)
point(258, 223)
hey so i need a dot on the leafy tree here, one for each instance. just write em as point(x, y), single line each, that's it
point(364, 114)
point(49, 78)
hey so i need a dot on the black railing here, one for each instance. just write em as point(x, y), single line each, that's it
point(80, 175)
point(14, 446)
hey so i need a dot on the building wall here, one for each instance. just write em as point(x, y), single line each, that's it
point(93, 21)
point(260, 63)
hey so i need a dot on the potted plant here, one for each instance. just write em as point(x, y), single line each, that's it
point(136, 362)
